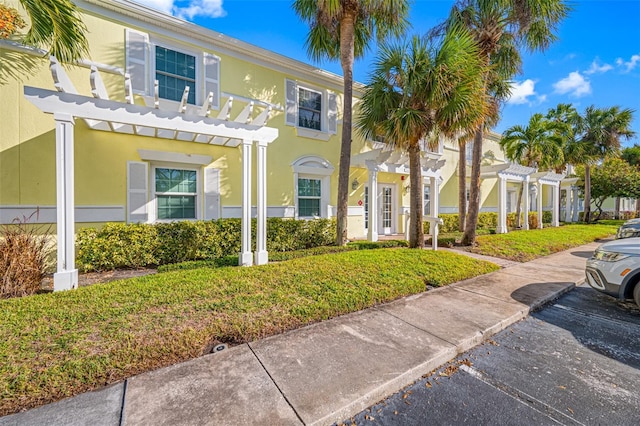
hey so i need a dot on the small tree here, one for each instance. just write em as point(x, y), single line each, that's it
point(613, 178)
point(537, 145)
point(419, 90)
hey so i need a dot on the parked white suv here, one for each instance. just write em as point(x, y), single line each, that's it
point(614, 269)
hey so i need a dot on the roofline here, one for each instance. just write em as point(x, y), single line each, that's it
point(195, 32)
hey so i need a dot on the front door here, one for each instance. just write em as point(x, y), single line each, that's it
point(386, 209)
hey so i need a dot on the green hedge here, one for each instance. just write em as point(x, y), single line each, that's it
point(119, 245)
point(487, 220)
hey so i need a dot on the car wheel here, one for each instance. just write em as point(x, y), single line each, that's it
point(636, 294)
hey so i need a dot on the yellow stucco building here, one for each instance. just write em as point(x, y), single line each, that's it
point(144, 149)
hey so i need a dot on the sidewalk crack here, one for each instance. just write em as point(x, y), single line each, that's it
point(275, 383)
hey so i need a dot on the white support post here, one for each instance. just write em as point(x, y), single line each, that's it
point(525, 197)
point(574, 202)
point(261, 254)
point(567, 205)
point(66, 277)
point(373, 203)
point(246, 259)
point(555, 213)
point(435, 207)
point(502, 206)
point(539, 205)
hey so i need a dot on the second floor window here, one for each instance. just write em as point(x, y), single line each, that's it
point(174, 71)
point(309, 109)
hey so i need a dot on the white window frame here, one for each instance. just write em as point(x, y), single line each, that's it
point(322, 112)
point(153, 199)
point(312, 167)
point(320, 199)
point(199, 84)
point(426, 212)
point(326, 115)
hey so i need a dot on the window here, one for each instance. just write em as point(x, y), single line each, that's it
point(309, 196)
point(175, 191)
point(469, 151)
point(174, 66)
point(366, 207)
point(427, 201)
point(313, 111)
point(174, 72)
point(309, 109)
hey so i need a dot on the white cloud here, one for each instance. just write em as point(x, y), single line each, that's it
point(187, 9)
point(521, 92)
point(629, 66)
point(574, 84)
point(597, 68)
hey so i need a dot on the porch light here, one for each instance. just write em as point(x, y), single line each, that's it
point(355, 184)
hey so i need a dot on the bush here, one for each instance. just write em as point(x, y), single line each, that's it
point(25, 253)
point(119, 245)
point(486, 220)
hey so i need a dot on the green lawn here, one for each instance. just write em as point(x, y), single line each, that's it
point(60, 344)
point(523, 246)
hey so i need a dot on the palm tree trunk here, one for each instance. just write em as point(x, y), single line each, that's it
point(587, 193)
point(416, 230)
point(462, 185)
point(346, 60)
point(469, 237)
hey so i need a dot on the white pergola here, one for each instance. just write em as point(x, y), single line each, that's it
point(100, 113)
point(572, 199)
point(505, 173)
point(553, 180)
point(394, 161)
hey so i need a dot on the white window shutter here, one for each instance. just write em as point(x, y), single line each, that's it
point(332, 113)
point(211, 193)
point(212, 78)
point(137, 59)
point(137, 191)
point(291, 89)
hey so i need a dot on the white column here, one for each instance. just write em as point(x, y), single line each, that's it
point(261, 254)
point(373, 204)
point(245, 255)
point(435, 207)
point(567, 205)
point(555, 213)
point(502, 206)
point(539, 205)
point(525, 197)
point(66, 277)
point(574, 202)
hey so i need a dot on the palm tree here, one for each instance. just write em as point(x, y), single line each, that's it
point(600, 132)
point(56, 27)
point(342, 29)
point(420, 90)
point(502, 28)
point(537, 145)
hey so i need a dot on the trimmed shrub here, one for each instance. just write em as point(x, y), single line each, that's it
point(25, 254)
point(119, 245)
point(486, 220)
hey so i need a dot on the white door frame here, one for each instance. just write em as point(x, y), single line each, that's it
point(392, 229)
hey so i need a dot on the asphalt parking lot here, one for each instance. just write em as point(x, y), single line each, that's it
point(574, 362)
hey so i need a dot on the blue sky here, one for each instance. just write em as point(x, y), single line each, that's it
point(596, 60)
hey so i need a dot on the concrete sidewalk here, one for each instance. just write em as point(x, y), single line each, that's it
point(326, 372)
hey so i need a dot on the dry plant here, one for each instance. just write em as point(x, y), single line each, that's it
point(25, 256)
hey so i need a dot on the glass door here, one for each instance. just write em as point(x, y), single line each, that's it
point(386, 209)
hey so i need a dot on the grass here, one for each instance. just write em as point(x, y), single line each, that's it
point(522, 246)
point(61, 344)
